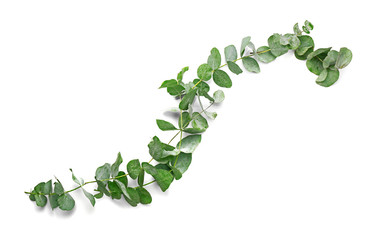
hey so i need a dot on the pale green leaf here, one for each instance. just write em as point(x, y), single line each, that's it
point(189, 143)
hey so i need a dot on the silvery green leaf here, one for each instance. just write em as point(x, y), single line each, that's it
point(344, 58)
point(230, 53)
point(331, 58)
point(234, 67)
point(115, 166)
point(331, 77)
point(214, 60)
point(251, 64)
point(244, 44)
point(79, 181)
point(264, 54)
point(189, 143)
point(90, 197)
point(309, 25)
point(276, 47)
point(297, 30)
point(211, 115)
point(218, 96)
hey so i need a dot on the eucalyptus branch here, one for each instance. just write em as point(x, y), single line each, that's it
point(174, 160)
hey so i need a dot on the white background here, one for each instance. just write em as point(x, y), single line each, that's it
point(285, 159)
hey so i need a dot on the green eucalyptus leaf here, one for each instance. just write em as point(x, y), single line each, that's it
point(251, 64)
point(53, 199)
point(234, 68)
point(222, 79)
point(133, 168)
point(264, 54)
point(66, 202)
point(306, 43)
point(163, 178)
point(156, 148)
point(141, 178)
point(144, 195)
point(218, 96)
point(182, 162)
point(101, 186)
point(79, 181)
point(305, 29)
point(115, 166)
point(47, 188)
point(199, 122)
point(244, 44)
point(164, 125)
point(187, 99)
point(149, 168)
point(344, 58)
point(114, 189)
point(89, 196)
point(211, 115)
point(297, 30)
point(189, 143)
point(40, 200)
point(58, 188)
point(204, 72)
point(168, 83)
point(309, 25)
point(99, 195)
point(214, 60)
point(39, 187)
point(32, 196)
point(331, 77)
point(122, 177)
point(133, 195)
point(175, 90)
point(180, 75)
point(176, 173)
point(315, 59)
point(230, 53)
point(103, 172)
point(331, 58)
point(305, 55)
point(274, 44)
point(291, 40)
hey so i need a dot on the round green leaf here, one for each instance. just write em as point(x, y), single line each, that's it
point(144, 195)
point(230, 53)
point(218, 96)
point(344, 58)
point(199, 122)
point(214, 60)
point(66, 202)
point(331, 77)
point(331, 58)
point(306, 43)
point(222, 79)
point(265, 55)
point(204, 72)
point(274, 43)
point(189, 143)
point(251, 64)
point(305, 55)
point(133, 168)
point(244, 44)
point(234, 67)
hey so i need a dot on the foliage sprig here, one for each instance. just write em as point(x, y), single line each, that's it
point(172, 161)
